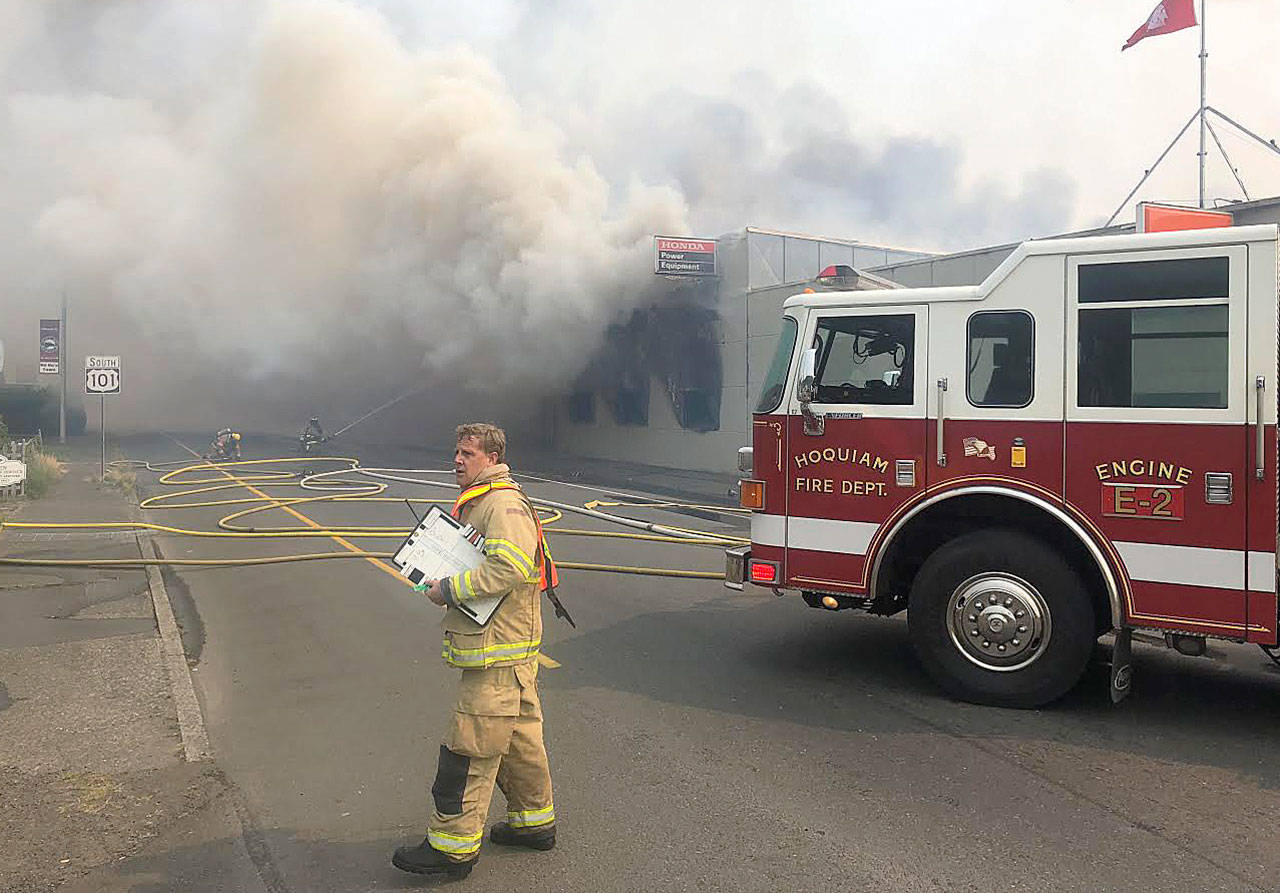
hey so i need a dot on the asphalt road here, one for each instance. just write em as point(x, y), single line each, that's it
point(703, 739)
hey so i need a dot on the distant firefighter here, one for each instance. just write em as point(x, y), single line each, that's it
point(225, 446)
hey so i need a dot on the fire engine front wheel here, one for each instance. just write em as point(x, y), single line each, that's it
point(997, 617)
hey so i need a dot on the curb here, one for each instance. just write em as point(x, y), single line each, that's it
point(195, 739)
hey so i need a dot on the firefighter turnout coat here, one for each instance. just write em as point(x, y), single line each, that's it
point(495, 506)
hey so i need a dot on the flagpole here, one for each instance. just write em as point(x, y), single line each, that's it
point(1203, 66)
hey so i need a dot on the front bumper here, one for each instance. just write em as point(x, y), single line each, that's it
point(735, 566)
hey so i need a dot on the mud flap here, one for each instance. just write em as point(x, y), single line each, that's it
point(1121, 665)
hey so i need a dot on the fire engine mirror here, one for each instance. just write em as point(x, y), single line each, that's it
point(807, 390)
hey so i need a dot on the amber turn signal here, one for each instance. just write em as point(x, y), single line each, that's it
point(751, 495)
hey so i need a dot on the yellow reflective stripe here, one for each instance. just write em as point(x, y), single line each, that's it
point(533, 643)
point(525, 570)
point(505, 546)
point(530, 818)
point(483, 657)
point(466, 580)
point(458, 584)
point(454, 843)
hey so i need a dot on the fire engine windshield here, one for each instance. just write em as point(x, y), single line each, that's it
point(775, 382)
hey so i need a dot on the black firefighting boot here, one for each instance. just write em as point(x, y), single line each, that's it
point(426, 859)
point(534, 839)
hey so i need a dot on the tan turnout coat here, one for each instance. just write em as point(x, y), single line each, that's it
point(512, 563)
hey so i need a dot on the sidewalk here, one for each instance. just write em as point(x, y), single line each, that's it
point(91, 761)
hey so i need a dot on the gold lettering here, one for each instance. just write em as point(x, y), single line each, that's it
point(881, 465)
point(1103, 473)
point(1124, 500)
point(1184, 475)
point(1166, 470)
point(802, 460)
point(829, 454)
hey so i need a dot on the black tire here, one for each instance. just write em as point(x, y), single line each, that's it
point(1030, 642)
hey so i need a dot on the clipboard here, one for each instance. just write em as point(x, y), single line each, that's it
point(440, 546)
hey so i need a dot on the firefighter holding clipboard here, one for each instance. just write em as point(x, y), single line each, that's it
point(495, 735)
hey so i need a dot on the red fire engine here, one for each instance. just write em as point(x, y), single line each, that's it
point(1083, 443)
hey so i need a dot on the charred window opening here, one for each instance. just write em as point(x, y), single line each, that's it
point(581, 406)
point(630, 405)
point(677, 343)
point(625, 375)
point(685, 352)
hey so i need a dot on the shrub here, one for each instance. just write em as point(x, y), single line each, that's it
point(42, 471)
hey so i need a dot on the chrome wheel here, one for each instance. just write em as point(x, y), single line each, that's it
point(999, 622)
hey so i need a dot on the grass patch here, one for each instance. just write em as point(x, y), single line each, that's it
point(42, 472)
point(123, 479)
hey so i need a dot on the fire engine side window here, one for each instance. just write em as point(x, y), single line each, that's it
point(866, 359)
point(1154, 357)
point(1001, 351)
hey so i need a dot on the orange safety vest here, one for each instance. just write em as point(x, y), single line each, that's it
point(549, 577)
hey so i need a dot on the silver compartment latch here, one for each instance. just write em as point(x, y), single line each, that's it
point(1217, 488)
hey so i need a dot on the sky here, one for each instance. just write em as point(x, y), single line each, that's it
point(338, 198)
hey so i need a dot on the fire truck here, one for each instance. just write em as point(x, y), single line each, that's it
point(1082, 444)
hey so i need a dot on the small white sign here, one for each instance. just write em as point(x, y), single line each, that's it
point(102, 375)
point(12, 471)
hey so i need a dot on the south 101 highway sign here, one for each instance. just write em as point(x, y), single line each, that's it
point(102, 375)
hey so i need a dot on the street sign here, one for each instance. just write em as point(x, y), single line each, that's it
point(102, 375)
point(12, 471)
point(684, 257)
point(50, 346)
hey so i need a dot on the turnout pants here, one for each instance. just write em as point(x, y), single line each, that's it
point(495, 736)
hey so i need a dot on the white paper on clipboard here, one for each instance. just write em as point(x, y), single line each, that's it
point(441, 547)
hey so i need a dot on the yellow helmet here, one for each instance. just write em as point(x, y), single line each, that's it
point(235, 435)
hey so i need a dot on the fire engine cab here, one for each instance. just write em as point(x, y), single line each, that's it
point(1084, 443)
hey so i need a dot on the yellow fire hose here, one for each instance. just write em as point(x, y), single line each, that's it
point(370, 486)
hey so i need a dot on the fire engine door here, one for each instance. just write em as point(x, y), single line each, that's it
point(855, 450)
point(1157, 399)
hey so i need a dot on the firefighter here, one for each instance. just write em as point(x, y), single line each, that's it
point(496, 731)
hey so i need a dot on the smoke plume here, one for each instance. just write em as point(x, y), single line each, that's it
point(273, 208)
point(289, 204)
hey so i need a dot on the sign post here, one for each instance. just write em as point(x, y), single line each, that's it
point(102, 377)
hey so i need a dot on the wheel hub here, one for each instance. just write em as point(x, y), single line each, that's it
point(998, 621)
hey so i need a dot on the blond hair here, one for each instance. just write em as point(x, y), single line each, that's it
point(492, 438)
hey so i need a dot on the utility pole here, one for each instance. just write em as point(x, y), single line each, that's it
point(1204, 58)
point(62, 356)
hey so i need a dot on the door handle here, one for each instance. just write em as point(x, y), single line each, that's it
point(942, 392)
point(1260, 445)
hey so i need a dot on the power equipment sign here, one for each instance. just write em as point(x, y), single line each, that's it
point(684, 257)
point(50, 346)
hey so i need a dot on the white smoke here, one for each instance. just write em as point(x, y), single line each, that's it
point(278, 190)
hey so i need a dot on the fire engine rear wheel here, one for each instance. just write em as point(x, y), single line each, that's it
point(998, 617)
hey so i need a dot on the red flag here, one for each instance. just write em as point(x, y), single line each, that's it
point(1167, 17)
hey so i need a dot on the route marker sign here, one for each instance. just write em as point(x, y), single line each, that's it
point(102, 375)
